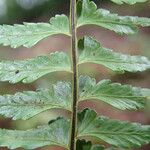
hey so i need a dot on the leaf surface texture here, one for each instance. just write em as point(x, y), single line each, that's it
point(91, 51)
point(88, 14)
point(28, 104)
point(119, 96)
point(30, 70)
point(131, 2)
point(54, 134)
point(115, 132)
point(29, 34)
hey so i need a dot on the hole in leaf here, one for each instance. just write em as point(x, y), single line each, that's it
point(17, 71)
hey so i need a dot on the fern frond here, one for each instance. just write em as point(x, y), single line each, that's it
point(54, 134)
point(92, 52)
point(29, 34)
point(119, 96)
point(88, 14)
point(28, 104)
point(30, 70)
point(118, 133)
point(131, 2)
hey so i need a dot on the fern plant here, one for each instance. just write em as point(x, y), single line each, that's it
point(74, 133)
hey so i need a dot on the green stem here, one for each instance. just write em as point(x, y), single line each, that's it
point(75, 74)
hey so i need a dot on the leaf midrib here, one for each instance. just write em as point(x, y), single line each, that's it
point(89, 22)
point(45, 68)
point(36, 139)
point(109, 60)
point(114, 96)
point(32, 104)
point(34, 34)
point(111, 133)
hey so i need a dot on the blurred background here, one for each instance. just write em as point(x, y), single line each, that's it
point(18, 11)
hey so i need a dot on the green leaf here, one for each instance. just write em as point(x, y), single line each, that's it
point(88, 14)
point(119, 96)
point(131, 2)
point(91, 51)
point(30, 34)
point(28, 104)
point(55, 133)
point(30, 70)
point(83, 145)
point(117, 133)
